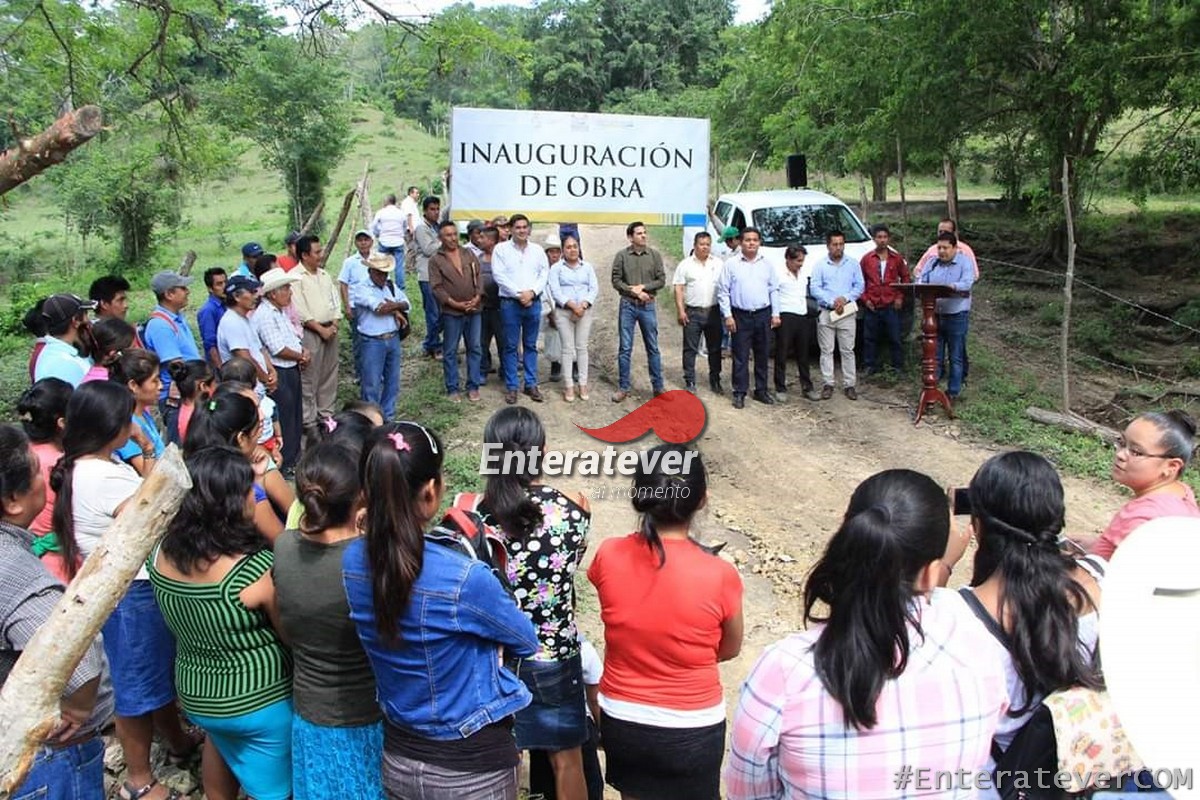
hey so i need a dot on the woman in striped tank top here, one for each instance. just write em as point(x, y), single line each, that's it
point(212, 579)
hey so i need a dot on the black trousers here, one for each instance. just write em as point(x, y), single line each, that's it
point(793, 339)
point(290, 406)
point(491, 327)
point(753, 334)
point(707, 323)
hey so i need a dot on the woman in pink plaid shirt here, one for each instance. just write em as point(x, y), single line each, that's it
point(887, 693)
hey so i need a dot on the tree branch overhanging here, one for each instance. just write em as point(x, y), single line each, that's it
point(34, 155)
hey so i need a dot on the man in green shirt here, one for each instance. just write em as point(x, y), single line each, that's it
point(637, 274)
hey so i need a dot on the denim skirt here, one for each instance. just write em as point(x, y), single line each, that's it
point(653, 763)
point(141, 653)
point(557, 717)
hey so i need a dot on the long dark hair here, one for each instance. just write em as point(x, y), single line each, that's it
point(1018, 511)
point(667, 499)
point(42, 406)
point(220, 420)
point(515, 429)
point(328, 486)
point(108, 338)
point(17, 462)
point(212, 520)
point(898, 521)
point(398, 460)
point(135, 365)
point(188, 375)
point(97, 413)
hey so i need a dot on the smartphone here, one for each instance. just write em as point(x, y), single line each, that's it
point(960, 502)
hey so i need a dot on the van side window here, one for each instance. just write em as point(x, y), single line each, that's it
point(722, 211)
point(739, 219)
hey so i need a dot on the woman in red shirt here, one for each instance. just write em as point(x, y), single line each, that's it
point(672, 611)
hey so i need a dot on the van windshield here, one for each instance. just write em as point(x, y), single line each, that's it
point(808, 224)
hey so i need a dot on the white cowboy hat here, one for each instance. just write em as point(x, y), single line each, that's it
point(277, 278)
point(382, 262)
point(1150, 642)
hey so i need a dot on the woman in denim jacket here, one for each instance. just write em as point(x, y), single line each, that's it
point(435, 624)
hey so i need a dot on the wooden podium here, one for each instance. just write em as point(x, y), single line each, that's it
point(928, 294)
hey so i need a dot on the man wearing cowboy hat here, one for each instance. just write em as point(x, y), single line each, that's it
point(286, 350)
point(354, 270)
point(381, 308)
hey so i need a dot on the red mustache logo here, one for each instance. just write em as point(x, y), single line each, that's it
point(677, 417)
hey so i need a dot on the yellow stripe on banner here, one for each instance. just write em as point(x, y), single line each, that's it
point(595, 217)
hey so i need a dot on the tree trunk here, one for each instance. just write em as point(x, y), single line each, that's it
point(312, 219)
point(29, 700)
point(34, 155)
point(903, 195)
point(864, 207)
point(1073, 423)
point(189, 261)
point(1067, 287)
point(879, 187)
point(337, 229)
point(951, 173)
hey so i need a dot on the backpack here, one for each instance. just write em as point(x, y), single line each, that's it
point(141, 329)
point(1035, 745)
point(463, 529)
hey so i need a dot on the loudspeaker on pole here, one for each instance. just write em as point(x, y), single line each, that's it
point(797, 171)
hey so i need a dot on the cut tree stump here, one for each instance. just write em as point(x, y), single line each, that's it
point(34, 155)
point(1074, 423)
point(29, 700)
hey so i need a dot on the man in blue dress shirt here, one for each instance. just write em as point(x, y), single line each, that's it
point(837, 283)
point(952, 268)
point(748, 296)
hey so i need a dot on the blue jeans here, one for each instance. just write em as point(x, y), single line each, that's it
point(380, 380)
point(646, 317)
point(397, 252)
point(66, 773)
point(885, 321)
point(520, 328)
point(433, 319)
point(952, 335)
point(461, 326)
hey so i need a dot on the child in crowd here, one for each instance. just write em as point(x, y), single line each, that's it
point(138, 370)
point(240, 370)
point(337, 731)
point(432, 621)
point(110, 338)
point(196, 382)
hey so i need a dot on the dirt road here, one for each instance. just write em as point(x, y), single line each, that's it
point(779, 477)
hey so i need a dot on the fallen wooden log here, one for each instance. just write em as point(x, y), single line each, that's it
point(38, 153)
point(1074, 423)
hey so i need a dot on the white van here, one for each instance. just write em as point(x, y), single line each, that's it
point(795, 216)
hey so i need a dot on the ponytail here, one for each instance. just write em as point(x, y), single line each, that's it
point(518, 430)
point(1019, 511)
point(98, 413)
point(398, 460)
point(897, 523)
point(667, 499)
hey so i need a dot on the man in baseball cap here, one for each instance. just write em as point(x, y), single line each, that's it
point(250, 251)
point(65, 317)
point(168, 334)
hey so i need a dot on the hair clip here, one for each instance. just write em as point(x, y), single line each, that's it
point(330, 424)
point(398, 441)
point(428, 436)
point(212, 405)
point(25, 416)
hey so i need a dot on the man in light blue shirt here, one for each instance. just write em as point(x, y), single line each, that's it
point(381, 308)
point(748, 296)
point(354, 271)
point(65, 316)
point(837, 283)
point(952, 268)
point(167, 333)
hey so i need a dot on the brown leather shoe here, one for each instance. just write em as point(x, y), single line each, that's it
point(851, 394)
point(533, 394)
point(619, 395)
point(826, 392)
point(510, 398)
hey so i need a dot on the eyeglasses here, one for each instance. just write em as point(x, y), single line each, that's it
point(1136, 452)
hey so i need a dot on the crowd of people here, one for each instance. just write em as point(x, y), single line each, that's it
point(314, 625)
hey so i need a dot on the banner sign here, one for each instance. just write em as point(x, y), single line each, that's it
point(557, 166)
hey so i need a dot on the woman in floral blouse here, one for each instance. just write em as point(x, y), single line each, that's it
point(546, 535)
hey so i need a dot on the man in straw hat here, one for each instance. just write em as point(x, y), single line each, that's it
point(285, 348)
point(381, 308)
